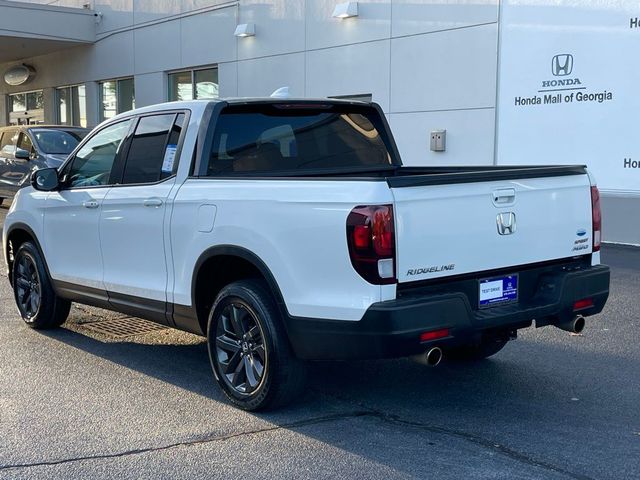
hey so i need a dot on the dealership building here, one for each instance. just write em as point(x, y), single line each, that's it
point(494, 81)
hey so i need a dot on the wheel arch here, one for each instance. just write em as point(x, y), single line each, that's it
point(17, 234)
point(241, 263)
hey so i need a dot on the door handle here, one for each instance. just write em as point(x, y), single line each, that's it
point(90, 204)
point(152, 202)
point(504, 196)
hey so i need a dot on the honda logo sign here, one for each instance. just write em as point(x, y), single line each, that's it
point(562, 65)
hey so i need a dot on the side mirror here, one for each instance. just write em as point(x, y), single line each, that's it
point(45, 179)
point(22, 154)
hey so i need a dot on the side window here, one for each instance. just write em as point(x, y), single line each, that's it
point(8, 142)
point(92, 164)
point(25, 142)
point(153, 149)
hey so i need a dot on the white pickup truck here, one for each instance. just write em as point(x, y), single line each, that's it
point(288, 230)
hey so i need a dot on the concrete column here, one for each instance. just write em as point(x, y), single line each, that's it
point(93, 103)
point(50, 106)
point(4, 116)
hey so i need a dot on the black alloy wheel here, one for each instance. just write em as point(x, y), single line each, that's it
point(249, 349)
point(28, 289)
point(37, 302)
point(240, 348)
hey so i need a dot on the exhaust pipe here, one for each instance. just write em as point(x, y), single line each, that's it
point(575, 325)
point(431, 357)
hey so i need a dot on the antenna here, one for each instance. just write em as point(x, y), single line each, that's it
point(282, 92)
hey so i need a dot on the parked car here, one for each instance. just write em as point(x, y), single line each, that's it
point(289, 230)
point(24, 149)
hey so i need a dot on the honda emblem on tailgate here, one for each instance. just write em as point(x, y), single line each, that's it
point(506, 223)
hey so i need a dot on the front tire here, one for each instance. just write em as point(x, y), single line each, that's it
point(249, 350)
point(37, 302)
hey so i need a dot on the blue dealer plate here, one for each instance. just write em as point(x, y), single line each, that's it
point(498, 290)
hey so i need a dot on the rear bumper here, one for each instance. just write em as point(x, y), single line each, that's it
point(393, 328)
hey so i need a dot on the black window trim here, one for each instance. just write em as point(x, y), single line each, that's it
point(88, 138)
point(117, 171)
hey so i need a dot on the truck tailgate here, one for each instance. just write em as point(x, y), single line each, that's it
point(445, 229)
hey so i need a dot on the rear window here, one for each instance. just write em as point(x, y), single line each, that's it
point(292, 137)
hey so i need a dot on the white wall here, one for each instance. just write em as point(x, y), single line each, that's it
point(430, 65)
point(601, 132)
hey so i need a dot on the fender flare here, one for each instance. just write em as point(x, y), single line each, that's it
point(244, 254)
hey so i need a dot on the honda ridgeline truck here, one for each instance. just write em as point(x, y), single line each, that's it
point(289, 230)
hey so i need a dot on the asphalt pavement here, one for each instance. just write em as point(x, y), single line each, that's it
point(76, 403)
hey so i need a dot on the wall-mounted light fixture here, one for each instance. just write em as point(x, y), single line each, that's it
point(245, 30)
point(346, 10)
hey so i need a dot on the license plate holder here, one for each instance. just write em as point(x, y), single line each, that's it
point(498, 290)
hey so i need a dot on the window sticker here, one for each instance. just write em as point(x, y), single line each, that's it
point(169, 158)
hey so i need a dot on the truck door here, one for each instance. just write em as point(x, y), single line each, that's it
point(133, 217)
point(72, 215)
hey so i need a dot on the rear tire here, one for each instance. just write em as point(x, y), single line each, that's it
point(249, 350)
point(473, 353)
point(37, 302)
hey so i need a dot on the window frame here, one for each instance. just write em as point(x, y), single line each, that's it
point(117, 81)
point(71, 121)
point(9, 106)
point(63, 170)
point(119, 165)
point(192, 72)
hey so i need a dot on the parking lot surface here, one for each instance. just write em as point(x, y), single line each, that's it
point(80, 403)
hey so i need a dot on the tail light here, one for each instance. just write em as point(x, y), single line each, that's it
point(596, 213)
point(372, 244)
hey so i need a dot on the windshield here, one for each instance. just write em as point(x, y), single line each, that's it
point(58, 141)
point(295, 138)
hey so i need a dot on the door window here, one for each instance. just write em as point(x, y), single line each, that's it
point(25, 143)
point(92, 164)
point(8, 142)
point(153, 149)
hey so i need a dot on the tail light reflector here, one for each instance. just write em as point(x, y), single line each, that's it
point(371, 240)
point(434, 335)
point(596, 214)
point(582, 304)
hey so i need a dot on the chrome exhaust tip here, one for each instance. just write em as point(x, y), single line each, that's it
point(431, 357)
point(575, 325)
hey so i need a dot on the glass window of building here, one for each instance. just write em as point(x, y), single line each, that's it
point(192, 84)
point(26, 108)
point(116, 96)
point(72, 105)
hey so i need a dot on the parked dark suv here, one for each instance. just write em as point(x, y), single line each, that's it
point(30, 147)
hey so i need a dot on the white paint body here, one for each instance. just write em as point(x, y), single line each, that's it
point(297, 228)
